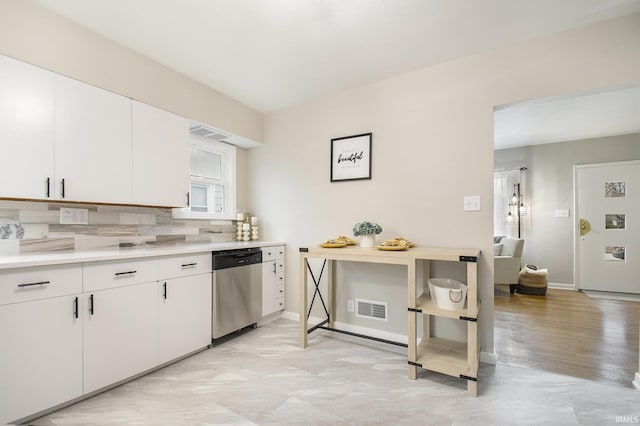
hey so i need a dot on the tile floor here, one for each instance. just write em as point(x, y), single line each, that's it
point(262, 377)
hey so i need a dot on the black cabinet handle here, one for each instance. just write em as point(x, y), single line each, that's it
point(119, 274)
point(48, 187)
point(188, 200)
point(165, 290)
point(274, 267)
point(188, 265)
point(91, 307)
point(75, 307)
point(32, 284)
point(62, 188)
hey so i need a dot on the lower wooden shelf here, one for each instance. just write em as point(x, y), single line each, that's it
point(444, 356)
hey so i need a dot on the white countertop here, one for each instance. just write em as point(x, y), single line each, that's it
point(45, 259)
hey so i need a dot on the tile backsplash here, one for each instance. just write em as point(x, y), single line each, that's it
point(34, 227)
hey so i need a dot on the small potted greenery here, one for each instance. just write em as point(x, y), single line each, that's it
point(367, 231)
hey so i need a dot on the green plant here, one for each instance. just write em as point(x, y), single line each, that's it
point(366, 228)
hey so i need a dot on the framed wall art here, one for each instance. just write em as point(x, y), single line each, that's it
point(615, 221)
point(351, 157)
point(615, 189)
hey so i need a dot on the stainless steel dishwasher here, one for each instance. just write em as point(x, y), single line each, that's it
point(237, 290)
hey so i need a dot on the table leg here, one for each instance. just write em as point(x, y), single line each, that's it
point(303, 302)
point(411, 329)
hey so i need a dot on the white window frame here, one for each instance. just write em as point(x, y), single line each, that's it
point(228, 154)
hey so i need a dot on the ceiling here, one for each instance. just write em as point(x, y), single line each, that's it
point(274, 54)
point(567, 118)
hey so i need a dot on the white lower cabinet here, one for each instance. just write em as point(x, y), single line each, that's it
point(184, 316)
point(40, 339)
point(69, 330)
point(272, 280)
point(120, 334)
point(41, 355)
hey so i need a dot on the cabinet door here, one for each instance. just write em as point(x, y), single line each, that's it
point(269, 290)
point(120, 334)
point(92, 143)
point(26, 129)
point(41, 355)
point(160, 157)
point(184, 315)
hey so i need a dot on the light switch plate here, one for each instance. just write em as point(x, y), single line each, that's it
point(74, 216)
point(562, 213)
point(472, 203)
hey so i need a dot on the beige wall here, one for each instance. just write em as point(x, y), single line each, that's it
point(432, 145)
point(33, 34)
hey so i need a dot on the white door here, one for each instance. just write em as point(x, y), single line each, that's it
point(160, 146)
point(41, 355)
point(184, 316)
point(120, 334)
point(608, 208)
point(92, 143)
point(26, 130)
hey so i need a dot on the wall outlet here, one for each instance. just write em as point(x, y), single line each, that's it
point(74, 216)
point(351, 307)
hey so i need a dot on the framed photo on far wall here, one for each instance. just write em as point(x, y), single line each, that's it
point(615, 189)
point(351, 157)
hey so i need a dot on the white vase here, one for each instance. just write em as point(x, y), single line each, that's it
point(368, 240)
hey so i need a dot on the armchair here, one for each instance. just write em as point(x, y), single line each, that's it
point(506, 261)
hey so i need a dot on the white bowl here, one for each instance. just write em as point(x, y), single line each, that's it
point(448, 293)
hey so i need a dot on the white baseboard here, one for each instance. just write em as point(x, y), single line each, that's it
point(562, 286)
point(269, 318)
point(293, 316)
point(373, 332)
point(636, 382)
point(485, 357)
point(488, 358)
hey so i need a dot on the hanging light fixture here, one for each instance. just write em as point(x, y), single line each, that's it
point(517, 206)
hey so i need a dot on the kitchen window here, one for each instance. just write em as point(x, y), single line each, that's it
point(212, 180)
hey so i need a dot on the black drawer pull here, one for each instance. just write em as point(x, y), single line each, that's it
point(164, 294)
point(188, 265)
point(32, 284)
point(75, 307)
point(62, 188)
point(119, 274)
point(48, 187)
point(91, 310)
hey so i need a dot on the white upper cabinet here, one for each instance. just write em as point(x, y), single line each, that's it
point(62, 139)
point(160, 147)
point(92, 143)
point(26, 130)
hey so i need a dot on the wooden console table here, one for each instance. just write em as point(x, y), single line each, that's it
point(459, 359)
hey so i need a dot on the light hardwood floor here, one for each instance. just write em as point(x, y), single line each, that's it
point(569, 333)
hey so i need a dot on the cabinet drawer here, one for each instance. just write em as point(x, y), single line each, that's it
point(279, 252)
point(184, 265)
point(279, 265)
point(119, 273)
point(280, 303)
point(280, 278)
point(24, 284)
point(268, 254)
point(279, 290)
